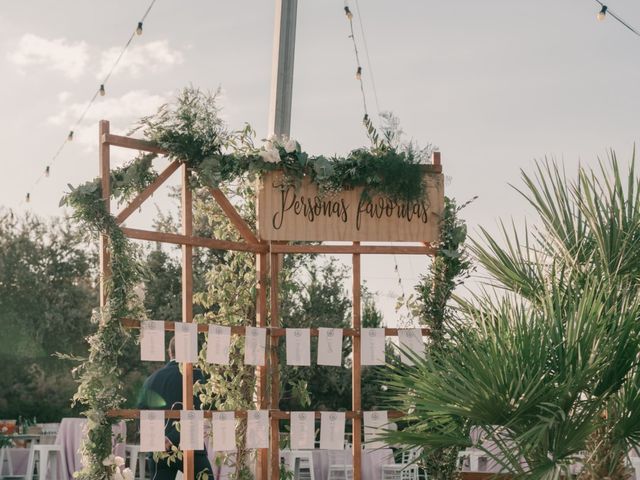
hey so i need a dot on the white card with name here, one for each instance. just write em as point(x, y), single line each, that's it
point(186, 342)
point(372, 346)
point(191, 430)
point(254, 346)
point(257, 429)
point(332, 430)
point(330, 346)
point(218, 345)
point(152, 431)
point(298, 347)
point(374, 424)
point(303, 433)
point(410, 339)
point(152, 341)
point(223, 428)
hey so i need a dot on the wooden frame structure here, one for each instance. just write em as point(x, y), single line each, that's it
point(268, 261)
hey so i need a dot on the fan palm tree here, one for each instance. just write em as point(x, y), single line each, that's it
point(544, 365)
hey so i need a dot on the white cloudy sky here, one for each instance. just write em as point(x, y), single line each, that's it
point(495, 84)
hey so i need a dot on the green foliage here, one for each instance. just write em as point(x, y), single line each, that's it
point(47, 290)
point(548, 367)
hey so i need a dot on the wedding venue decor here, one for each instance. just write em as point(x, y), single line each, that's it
point(390, 182)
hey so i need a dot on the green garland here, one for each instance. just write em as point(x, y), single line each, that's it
point(192, 133)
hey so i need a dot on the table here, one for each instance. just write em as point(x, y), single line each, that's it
point(19, 459)
point(70, 435)
point(372, 461)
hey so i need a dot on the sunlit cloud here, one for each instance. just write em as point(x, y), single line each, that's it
point(152, 57)
point(59, 55)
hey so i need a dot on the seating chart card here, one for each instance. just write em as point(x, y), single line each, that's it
point(254, 346)
point(218, 345)
point(303, 433)
point(372, 346)
point(191, 430)
point(332, 430)
point(152, 430)
point(257, 429)
point(298, 347)
point(186, 342)
point(374, 424)
point(410, 339)
point(152, 341)
point(223, 427)
point(330, 346)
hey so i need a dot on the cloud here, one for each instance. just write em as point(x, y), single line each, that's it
point(59, 55)
point(152, 57)
point(121, 111)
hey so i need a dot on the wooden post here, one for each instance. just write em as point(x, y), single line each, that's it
point(187, 308)
point(261, 321)
point(275, 367)
point(356, 372)
point(105, 177)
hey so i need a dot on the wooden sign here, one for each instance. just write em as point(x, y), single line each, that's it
point(287, 213)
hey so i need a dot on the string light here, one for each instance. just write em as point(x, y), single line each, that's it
point(602, 14)
point(348, 13)
point(101, 91)
point(359, 73)
point(606, 11)
point(358, 65)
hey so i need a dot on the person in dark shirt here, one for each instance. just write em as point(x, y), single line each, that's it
point(163, 391)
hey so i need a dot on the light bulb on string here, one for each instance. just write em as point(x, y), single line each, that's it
point(28, 198)
point(102, 90)
point(47, 171)
point(602, 14)
point(139, 29)
point(359, 73)
point(348, 13)
point(70, 136)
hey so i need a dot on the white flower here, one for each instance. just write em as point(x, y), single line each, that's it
point(117, 475)
point(127, 474)
point(119, 461)
point(291, 146)
point(270, 154)
point(110, 460)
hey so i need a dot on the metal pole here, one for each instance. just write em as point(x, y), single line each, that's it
point(284, 41)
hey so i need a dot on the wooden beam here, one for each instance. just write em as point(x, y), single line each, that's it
point(273, 332)
point(356, 248)
point(273, 414)
point(356, 371)
point(233, 215)
point(192, 241)
point(147, 192)
point(187, 307)
point(105, 183)
point(262, 276)
point(132, 143)
point(274, 360)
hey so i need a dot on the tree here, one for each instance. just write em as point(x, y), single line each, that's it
point(549, 367)
point(47, 292)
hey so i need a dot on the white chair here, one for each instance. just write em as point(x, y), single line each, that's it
point(471, 458)
point(300, 462)
point(46, 453)
point(339, 467)
point(136, 460)
point(406, 470)
point(5, 457)
point(635, 466)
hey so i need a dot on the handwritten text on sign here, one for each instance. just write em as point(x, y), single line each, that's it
point(287, 213)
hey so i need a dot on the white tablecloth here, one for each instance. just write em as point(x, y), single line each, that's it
point(70, 435)
point(19, 459)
